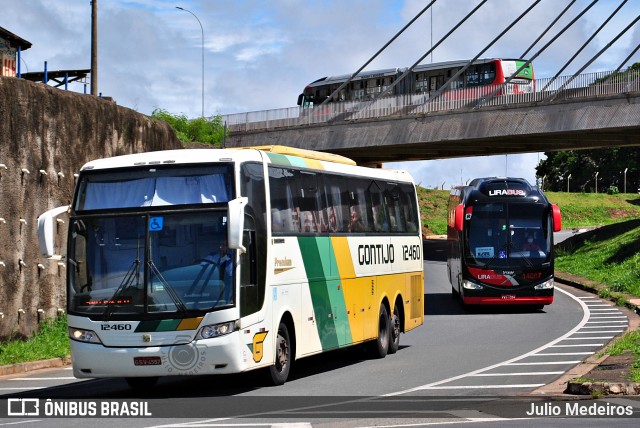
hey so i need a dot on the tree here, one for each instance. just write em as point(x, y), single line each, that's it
point(583, 166)
point(201, 130)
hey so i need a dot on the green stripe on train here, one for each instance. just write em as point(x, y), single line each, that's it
point(329, 306)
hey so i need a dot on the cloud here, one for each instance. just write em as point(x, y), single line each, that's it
point(260, 55)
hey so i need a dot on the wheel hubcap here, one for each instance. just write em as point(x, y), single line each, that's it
point(282, 353)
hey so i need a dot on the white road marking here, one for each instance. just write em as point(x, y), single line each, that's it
point(43, 378)
point(437, 385)
point(516, 374)
point(544, 363)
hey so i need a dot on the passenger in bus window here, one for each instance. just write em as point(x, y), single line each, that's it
point(356, 224)
point(333, 221)
point(309, 224)
point(323, 224)
point(277, 223)
point(295, 220)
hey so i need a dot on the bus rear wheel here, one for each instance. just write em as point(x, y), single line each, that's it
point(394, 343)
point(381, 345)
point(280, 370)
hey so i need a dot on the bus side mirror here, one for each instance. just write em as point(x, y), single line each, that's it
point(459, 220)
point(300, 99)
point(235, 224)
point(557, 218)
point(46, 228)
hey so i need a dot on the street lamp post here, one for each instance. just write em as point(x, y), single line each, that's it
point(597, 181)
point(202, 30)
point(568, 178)
point(625, 179)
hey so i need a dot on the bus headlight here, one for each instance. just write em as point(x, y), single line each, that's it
point(545, 285)
point(471, 285)
point(82, 335)
point(215, 330)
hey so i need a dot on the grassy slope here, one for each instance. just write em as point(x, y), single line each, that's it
point(578, 209)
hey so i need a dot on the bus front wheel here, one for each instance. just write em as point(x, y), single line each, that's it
point(280, 370)
point(381, 346)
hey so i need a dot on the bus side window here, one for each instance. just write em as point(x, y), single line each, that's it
point(360, 205)
point(307, 201)
point(338, 215)
point(284, 214)
point(409, 207)
point(394, 200)
point(378, 212)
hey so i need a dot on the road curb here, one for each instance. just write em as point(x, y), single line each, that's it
point(34, 365)
point(621, 299)
point(563, 386)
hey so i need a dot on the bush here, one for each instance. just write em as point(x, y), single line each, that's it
point(201, 130)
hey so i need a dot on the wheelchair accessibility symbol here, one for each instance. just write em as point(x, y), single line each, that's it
point(156, 224)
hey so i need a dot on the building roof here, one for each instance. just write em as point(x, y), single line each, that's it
point(14, 40)
point(57, 76)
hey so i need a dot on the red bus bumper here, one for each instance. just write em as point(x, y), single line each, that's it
point(499, 300)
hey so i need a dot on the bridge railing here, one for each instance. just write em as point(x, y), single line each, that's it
point(544, 90)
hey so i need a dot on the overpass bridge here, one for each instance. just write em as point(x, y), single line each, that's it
point(591, 111)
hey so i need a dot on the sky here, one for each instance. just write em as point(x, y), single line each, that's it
point(259, 55)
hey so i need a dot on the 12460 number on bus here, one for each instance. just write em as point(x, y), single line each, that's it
point(411, 252)
point(115, 327)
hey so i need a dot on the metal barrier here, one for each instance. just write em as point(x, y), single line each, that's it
point(544, 90)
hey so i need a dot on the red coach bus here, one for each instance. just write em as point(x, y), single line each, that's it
point(500, 243)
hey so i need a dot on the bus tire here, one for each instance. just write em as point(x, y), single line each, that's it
point(381, 344)
point(279, 371)
point(141, 383)
point(394, 342)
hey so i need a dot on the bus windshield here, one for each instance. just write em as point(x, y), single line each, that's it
point(507, 235)
point(154, 186)
point(158, 264)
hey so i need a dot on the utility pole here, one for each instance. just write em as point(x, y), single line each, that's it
point(94, 47)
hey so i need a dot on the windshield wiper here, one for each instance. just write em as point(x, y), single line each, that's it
point(170, 291)
point(132, 273)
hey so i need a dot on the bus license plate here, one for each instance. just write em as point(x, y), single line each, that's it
point(508, 297)
point(147, 361)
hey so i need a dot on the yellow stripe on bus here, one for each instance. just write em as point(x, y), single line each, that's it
point(189, 323)
point(343, 256)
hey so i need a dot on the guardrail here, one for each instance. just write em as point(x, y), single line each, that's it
point(543, 90)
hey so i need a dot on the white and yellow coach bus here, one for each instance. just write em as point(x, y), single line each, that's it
point(190, 262)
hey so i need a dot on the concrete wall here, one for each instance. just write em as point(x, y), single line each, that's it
point(46, 129)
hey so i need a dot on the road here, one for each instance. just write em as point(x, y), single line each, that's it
point(459, 365)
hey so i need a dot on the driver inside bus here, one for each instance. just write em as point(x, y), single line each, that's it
point(530, 245)
point(223, 260)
